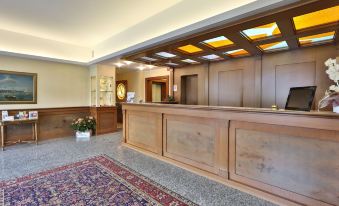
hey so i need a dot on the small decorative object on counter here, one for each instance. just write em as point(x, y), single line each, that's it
point(274, 107)
point(83, 127)
point(331, 97)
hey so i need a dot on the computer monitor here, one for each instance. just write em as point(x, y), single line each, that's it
point(300, 98)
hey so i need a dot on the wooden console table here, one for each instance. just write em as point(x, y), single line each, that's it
point(4, 124)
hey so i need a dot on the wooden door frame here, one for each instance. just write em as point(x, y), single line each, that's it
point(148, 85)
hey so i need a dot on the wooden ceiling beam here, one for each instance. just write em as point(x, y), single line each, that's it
point(243, 43)
point(287, 31)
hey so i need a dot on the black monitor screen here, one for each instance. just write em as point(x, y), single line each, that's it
point(300, 98)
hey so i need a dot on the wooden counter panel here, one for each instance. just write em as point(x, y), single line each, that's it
point(300, 164)
point(144, 130)
point(200, 142)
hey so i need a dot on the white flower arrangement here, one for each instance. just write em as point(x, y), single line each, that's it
point(333, 74)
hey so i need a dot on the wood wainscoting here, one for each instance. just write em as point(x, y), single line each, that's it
point(287, 157)
point(53, 123)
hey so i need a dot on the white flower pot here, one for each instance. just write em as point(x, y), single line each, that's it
point(83, 136)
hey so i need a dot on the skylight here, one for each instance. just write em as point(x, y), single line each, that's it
point(172, 64)
point(190, 61)
point(166, 54)
point(317, 18)
point(211, 57)
point(218, 42)
point(317, 39)
point(281, 45)
point(262, 32)
point(237, 52)
point(190, 49)
point(148, 59)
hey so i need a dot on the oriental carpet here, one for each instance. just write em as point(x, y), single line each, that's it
point(94, 181)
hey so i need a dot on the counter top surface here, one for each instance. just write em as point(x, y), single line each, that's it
point(239, 109)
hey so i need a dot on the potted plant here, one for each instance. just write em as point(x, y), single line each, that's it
point(332, 94)
point(83, 127)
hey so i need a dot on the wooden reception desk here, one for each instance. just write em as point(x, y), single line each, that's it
point(287, 157)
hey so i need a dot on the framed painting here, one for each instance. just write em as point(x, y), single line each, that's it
point(18, 88)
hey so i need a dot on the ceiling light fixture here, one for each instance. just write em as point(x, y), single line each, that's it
point(128, 62)
point(141, 67)
point(119, 64)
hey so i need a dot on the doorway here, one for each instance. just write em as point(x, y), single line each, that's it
point(156, 88)
point(189, 89)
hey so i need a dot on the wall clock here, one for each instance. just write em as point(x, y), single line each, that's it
point(121, 90)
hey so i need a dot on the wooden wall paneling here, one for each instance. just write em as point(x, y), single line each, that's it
point(53, 123)
point(202, 72)
point(318, 55)
point(292, 75)
point(144, 130)
point(233, 82)
point(189, 89)
point(300, 164)
point(200, 142)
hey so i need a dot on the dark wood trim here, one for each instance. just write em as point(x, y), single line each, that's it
point(148, 87)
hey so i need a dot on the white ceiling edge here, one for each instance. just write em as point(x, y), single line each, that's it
point(247, 10)
point(227, 17)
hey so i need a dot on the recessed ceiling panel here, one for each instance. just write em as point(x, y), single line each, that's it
point(148, 59)
point(281, 45)
point(190, 49)
point(237, 53)
point(261, 32)
point(172, 64)
point(218, 42)
point(165, 54)
point(211, 57)
point(190, 61)
point(317, 18)
point(317, 39)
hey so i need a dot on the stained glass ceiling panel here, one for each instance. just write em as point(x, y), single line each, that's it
point(317, 39)
point(190, 49)
point(281, 45)
point(165, 54)
point(218, 42)
point(211, 57)
point(317, 18)
point(237, 52)
point(190, 61)
point(262, 32)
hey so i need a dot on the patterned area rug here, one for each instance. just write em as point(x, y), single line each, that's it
point(95, 181)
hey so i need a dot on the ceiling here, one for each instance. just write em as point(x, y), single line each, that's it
point(81, 31)
point(310, 24)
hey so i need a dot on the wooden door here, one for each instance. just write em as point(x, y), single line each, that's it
point(189, 90)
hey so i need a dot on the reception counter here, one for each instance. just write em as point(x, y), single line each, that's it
point(287, 157)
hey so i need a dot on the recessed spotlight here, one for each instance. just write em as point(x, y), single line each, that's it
point(128, 62)
point(118, 64)
point(141, 67)
point(150, 66)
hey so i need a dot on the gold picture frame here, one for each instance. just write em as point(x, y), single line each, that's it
point(18, 87)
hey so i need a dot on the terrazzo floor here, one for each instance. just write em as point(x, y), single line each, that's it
point(24, 159)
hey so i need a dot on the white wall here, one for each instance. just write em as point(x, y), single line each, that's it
point(59, 85)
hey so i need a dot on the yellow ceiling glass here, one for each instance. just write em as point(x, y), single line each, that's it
point(218, 42)
point(316, 39)
point(237, 52)
point(317, 18)
point(263, 31)
point(190, 49)
point(281, 45)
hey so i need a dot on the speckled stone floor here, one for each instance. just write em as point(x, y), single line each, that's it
point(24, 159)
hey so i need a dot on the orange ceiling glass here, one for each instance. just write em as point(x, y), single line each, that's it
point(218, 42)
point(317, 39)
point(237, 52)
point(317, 18)
point(190, 49)
point(262, 32)
point(281, 45)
